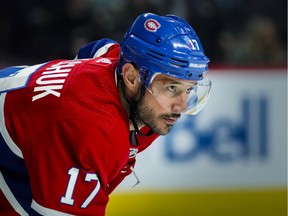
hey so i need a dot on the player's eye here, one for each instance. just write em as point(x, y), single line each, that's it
point(172, 88)
point(189, 90)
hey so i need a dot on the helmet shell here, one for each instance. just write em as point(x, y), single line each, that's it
point(166, 45)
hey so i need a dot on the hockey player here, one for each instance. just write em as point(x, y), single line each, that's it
point(71, 129)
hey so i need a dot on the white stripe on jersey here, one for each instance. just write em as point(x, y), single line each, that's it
point(46, 211)
point(3, 130)
point(102, 50)
point(10, 197)
point(19, 80)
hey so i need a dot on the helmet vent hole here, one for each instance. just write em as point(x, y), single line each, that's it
point(158, 40)
point(178, 62)
point(155, 54)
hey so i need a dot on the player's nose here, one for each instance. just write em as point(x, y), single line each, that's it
point(180, 104)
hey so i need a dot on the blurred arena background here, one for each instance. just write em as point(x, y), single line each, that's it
point(231, 160)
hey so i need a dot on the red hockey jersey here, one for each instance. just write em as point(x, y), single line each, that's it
point(64, 143)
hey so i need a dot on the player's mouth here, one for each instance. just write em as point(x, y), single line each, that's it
point(171, 119)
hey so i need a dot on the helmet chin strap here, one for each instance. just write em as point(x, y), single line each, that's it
point(132, 115)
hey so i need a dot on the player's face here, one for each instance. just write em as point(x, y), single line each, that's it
point(151, 111)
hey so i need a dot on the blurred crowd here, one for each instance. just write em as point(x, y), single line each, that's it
point(233, 32)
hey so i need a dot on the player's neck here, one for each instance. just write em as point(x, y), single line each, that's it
point(125, 105)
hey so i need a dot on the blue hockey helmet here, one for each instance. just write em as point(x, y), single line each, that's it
point(165, 44)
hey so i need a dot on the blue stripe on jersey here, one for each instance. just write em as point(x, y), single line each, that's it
point(10, 71)
point(16, 177)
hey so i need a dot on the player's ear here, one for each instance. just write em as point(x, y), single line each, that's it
point(131, 77)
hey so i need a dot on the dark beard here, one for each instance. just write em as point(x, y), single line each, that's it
point(145, 116)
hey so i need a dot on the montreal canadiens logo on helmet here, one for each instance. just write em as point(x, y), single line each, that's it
point(152, 25)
